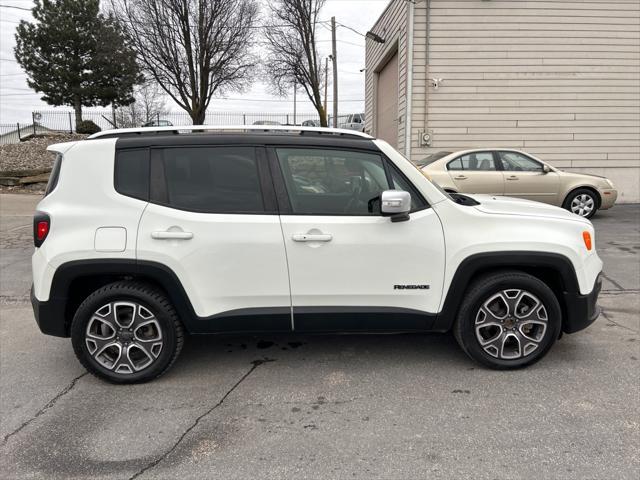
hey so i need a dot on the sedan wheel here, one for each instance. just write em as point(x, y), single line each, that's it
point(583, 205)
point(583, 202)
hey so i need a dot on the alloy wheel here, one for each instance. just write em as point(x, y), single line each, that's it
point(124, 337)
point(511, 324)
point(583, 205)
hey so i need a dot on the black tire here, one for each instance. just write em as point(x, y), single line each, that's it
point(578, 195)
point(467, 332)
point(163, 320)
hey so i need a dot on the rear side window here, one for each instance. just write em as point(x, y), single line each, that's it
point(213, 179)
point(55, 175)
point(132, 173)
point(475, 162)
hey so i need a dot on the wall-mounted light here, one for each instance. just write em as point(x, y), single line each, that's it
point(375, 37)
point(435, 83)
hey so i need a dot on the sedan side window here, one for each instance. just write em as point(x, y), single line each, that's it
point(516, 162)
point(332, 182)
point(479, 161)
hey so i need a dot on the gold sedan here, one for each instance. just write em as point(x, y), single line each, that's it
point(518, 174)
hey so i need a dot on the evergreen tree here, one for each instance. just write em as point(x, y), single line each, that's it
point(76, 56)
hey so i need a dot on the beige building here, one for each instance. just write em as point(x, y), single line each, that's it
point(557, 78)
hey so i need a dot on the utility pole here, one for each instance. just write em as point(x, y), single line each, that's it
point(326, 85)
point(334, 55)
point(295, 89)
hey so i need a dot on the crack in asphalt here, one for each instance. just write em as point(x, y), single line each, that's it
point(255, 364)
point(619, 292)
point(611, 280)
point(603, 313)
point(49, 405)
point(14, 300)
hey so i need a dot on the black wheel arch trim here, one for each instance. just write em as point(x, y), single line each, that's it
point(54, 316)
point(579, 311)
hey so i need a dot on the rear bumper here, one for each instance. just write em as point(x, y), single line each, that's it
point(582, 310)
point(50, 316)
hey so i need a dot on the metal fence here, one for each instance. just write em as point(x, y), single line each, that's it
point(64, 121)
point(17, 132)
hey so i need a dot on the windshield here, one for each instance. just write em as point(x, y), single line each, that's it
point(432, 158)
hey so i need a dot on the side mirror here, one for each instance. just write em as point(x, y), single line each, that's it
point(395, 204)
point(546, 169)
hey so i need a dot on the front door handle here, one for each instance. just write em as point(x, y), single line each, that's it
point(171, 235)
point(460, 177)
point(512, 177)
point(312, 237)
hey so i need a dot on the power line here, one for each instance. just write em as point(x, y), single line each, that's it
point(17, 8)
point(350, 28)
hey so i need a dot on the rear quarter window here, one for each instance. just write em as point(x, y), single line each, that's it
point(132, 173)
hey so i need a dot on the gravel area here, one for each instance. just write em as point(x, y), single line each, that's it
point(32, 154)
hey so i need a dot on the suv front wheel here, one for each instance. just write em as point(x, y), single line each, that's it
point(126, 332)
point(508, 320)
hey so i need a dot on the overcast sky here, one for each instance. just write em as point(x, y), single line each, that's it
point(17, 101)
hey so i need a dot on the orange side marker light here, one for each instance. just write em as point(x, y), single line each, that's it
point(586, 236)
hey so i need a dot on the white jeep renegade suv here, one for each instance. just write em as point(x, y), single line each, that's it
point(147, 233)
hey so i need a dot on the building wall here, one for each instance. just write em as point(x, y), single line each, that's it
point(557, 78)
point(391, 26)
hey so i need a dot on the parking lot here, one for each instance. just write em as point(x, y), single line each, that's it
point(352, 406)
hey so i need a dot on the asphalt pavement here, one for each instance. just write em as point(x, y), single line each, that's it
point(353, 406)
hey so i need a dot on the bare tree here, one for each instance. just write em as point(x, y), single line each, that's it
point(192, 48)
point(292, 55)
point(149, 105)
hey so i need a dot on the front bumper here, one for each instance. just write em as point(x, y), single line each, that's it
point(582, 310)
point(50, 316)
point(608, 197)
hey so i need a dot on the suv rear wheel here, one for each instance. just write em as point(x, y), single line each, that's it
point(508, 320)
point(126, 332)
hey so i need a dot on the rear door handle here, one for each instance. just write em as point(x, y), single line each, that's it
point(512, 177)
point(170, 235)
point(460, 177)
point(312, 237)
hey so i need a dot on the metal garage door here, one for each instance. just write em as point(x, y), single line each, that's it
point(387, 102)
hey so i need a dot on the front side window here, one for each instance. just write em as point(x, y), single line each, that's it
point(332, 182)
point(213, 179)
point(516, 162)
point(478, 161)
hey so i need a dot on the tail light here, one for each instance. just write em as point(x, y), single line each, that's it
point(41, 227)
